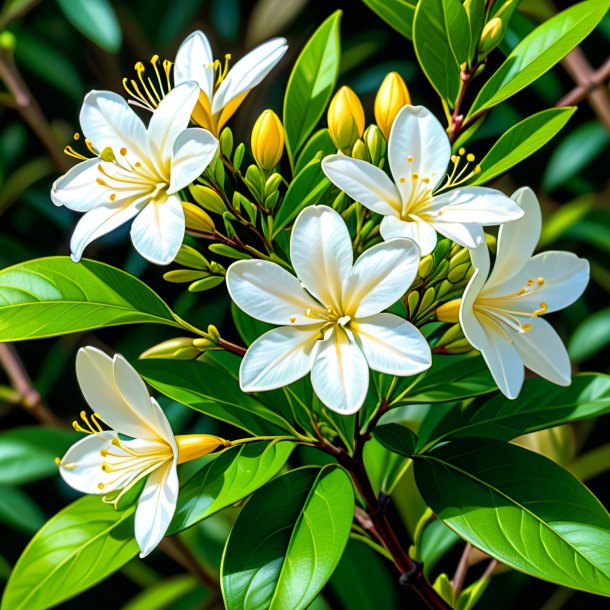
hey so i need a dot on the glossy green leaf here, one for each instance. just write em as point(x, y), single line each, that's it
point(208, 386)
point(287, 540)
point(441, 36)
point(231, 476)
point(590, 336)
point(539, 52)
point(306, 189)
point(95, 19)
point(522, 140)
point(28, 453)
point(319, 143)
point(564, 217)
point(165, 594)
point(311, 84)
point(54, 296)
point(249, 328)
point(398, 14)
point(18, 510)
point(396, 438)
point(77, 548)
point(449, 378)
point(540, 404)
point(521, 508)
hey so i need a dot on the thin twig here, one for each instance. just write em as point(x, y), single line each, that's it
point(461, 570)
point(232, 347)
point(596, 79)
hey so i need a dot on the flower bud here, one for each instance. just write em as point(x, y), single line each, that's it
point(207, 198)
point(391, 97)
point(375, 144)
point(268, 140)
point(8, 42)
point(197, 219)
point(490, 36)
point(193, 446)
point(179, 348)
point(449, 312)
point(426, 264)
point(359, 151)
point(345, 119)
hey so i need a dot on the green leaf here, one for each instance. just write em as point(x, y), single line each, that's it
point(521, 508)
point(319, 143)
point(19, 511)
point(311, 83)
point(231, 476)
point(164, 594)
point(398, 14)
point(249, 328)
point(96, 20)
point(27, 454)
point(208, 386)
point(539, 52)
point(540, 405)
point(522, 140)
point(306, 189)
point(449, 378)
point(590, 336)
point(287, 540)
point(396, 438)
point(77, 548)
point(441, 36)
point(54, 296)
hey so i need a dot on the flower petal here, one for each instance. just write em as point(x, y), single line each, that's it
point(269, 293)
point(379, 277)
point(77, 189)
point(249, 71)
point(98, 222)
point(193, 151)
point(156, 507)
point(363, 182)
point(84, 459)
point(481, 263)
point(543, 352)
point(417, 134)
point(108, 121)
point(321, 252)
point(279, 357)
point(158, 231)
point(392, 345)
point(340, 374)
point(417, 230)
point(194, 61)
point(468, 235)
point(517, 240)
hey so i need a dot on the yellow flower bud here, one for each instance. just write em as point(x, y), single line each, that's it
point(449, 312)
point(193, 446)
point(345, 119)
point(359, 151)
point(197, 219)
point(391, 97)
point(179, 348)
point(490, 36)
point(268, 140)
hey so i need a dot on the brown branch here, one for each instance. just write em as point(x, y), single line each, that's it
point(29, 398)
point(232, 347)
point(460, 573)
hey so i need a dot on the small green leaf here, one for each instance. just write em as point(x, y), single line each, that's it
point(54, 296)
point(19, 511)
point(311, 84)
point(319, 144)
point(540, 405)
point(398, 14)
point(590, 336)
point(77, 548)
point(539, 52)
point(27, 454)
point(396, 438)
point(521, 508)
point(231, 476)
point(95, 19)
point(522, 140)
point(287, 540)
point(306, 189)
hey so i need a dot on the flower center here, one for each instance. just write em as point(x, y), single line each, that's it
point(220, 70)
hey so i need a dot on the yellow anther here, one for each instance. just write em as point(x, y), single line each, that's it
point(100, 486)
point(154, 59)
point(293, 319)
point(77, 136)
point(57, 461)
point(477, 169)
point(410, 158)
point(470, 157)
point(462, 151)
point(402, 179)
point(71, 466)
point(425, 180)
point(526, 327)
point(542, 310)
point(454, 158)
point(112, 196)
point(123, 151)
point(139, 67)
point(104, 452)
point(227, 55)
point(530, 282)
point(415, 176)
point(541, 280)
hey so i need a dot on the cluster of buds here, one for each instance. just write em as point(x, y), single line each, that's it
point(185, 348)
point(201, 273)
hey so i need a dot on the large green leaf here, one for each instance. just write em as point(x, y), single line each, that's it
point(96, 19)
point(207, 386)
point(521, 140)
point(397, 438)
point(539, 52)
point(231, 476)
point(77, 548)
point(590, 336)
point(441, 36)
point(54, 296)
point(396, 13)
point(19, 511)
point(311, 83)
point(521, 508)
point(287, 540)
point(27, 454)
point(541, 404)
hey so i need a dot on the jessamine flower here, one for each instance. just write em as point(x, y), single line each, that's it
point(417, 204)
point(330, 313)
point(223, 89)
point(107, 464)
point(500, 313)
point(138, 173)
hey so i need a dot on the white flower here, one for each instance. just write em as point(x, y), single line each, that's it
point(499, 312)
point(330, 313)
point(415, 205)
point(139, 172)
point(223, 90)
point(104, 463)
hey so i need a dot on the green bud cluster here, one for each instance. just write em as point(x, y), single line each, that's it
point(185, 348)
point(202, 274)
